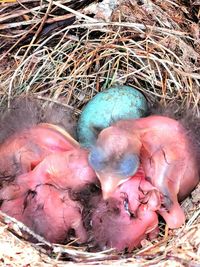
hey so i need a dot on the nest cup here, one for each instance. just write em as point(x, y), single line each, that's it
point(153, 47)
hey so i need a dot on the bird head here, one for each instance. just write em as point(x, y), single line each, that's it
point(126, 218)
point(115, 158)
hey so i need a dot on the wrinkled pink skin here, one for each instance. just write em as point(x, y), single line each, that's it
point(40, 198)
point(50, 164)
point(22, 151)
point(49, 212)
point(166, 155)
point(111, 222)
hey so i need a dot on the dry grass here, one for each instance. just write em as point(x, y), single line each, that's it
point(77, 61)
point(57, 52)
point(75, 69)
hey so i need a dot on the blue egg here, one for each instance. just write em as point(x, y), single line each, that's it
point(120, 102)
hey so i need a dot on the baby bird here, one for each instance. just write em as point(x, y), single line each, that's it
point(41, 198)
point(166, 152)
point(41, 167)
point(21, 152)
point(27, 137)
point(128, 216)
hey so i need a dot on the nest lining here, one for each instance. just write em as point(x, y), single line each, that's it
point(57, 57)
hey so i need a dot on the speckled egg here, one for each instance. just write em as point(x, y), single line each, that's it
point(120, 102)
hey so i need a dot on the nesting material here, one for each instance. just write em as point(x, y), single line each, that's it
point(64, 54)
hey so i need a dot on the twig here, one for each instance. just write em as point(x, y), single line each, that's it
point(39, 29)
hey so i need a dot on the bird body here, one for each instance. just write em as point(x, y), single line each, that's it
point(166, 154)
point(127, 217)
point(145, 167)
point(41, 198)
point(41, 165)
point(22, 151)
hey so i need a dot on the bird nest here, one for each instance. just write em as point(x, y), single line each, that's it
point(65, 52)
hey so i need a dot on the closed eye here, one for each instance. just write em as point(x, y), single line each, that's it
point(128, 165)
point(97, 159)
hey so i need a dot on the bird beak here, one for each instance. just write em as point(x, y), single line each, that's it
point(109, 184)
